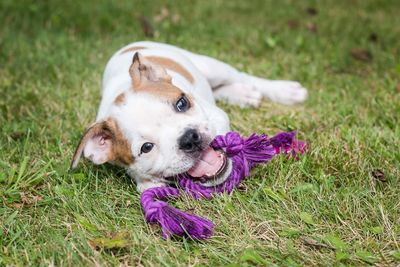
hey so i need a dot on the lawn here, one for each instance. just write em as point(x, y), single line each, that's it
point(339, 204)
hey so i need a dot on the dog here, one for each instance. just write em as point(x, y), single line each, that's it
point(158, 113)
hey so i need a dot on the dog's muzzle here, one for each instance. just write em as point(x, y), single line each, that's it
point(190, 141)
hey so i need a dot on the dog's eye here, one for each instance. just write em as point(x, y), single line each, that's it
point(182, 104)
point(146, 147)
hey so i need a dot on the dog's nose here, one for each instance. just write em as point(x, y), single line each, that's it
point(190, 141)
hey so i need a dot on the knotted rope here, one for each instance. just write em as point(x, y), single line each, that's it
point(244, 153)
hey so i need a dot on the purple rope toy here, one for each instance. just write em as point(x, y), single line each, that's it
point(245, 153)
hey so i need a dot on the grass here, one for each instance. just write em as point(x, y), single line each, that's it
point(338, 205)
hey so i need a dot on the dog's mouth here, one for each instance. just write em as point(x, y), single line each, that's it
point(210, 165)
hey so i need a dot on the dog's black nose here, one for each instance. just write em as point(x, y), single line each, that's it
point(190, 141)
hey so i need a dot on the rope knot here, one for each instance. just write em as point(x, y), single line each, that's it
point(231, 143)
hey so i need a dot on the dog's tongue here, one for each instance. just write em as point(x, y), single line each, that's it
point(208, 165)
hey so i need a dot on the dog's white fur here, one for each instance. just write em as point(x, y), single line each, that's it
point(147, 118)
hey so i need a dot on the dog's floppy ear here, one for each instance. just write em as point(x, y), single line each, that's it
point(142, 70)
point(95, 144)
point(103, 142)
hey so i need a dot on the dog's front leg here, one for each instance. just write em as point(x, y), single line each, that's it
point(144, 185)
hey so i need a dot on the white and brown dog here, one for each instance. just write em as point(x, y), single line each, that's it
point(158, 116)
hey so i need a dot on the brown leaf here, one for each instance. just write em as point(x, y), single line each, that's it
point(398, 88)
point(361, 54)
point(29, 198)
point(17, 135)
point(314, 243)
point(92, 244)
point(312, 11)
point(16, 205)
point(373, 37)
point(312, 27)
point(379, 175)
point(147, 28)
point(293, 24)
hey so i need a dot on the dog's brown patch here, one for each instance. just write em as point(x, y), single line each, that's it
point(119, 100)
point(171, 65)
point(164, 90)
point(121, 149)
point(119, 153)
point(132, 49)
point(149, 76)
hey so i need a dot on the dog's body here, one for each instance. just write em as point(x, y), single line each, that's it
point(158, 114)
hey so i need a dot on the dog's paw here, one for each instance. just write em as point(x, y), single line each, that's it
point(242, 95)
point(286, 92)
point(143, 186)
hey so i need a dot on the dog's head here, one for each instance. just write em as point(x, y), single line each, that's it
point(155, 129)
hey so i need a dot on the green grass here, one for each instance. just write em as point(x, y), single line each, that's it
point(325, 209)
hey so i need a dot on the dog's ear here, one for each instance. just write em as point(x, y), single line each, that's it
point(103, 142)
point(142, 71)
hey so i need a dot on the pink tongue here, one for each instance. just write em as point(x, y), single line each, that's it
point(208, 165)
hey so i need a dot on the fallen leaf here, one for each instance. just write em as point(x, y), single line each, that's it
point(312, 11)
point(16, 205)
point(91, 244)
point(29, 198)
point(312, 27)
point(146, 26)
point(17, 135)
point(379, 175)
point(361, 54)
point(398, 87)
point(26, 199)
point(293, 24)
point(115, 240)
point(314, 243)
point(373, 37)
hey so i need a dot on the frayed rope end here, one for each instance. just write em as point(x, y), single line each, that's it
point(176, 222)
point(172, 220)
